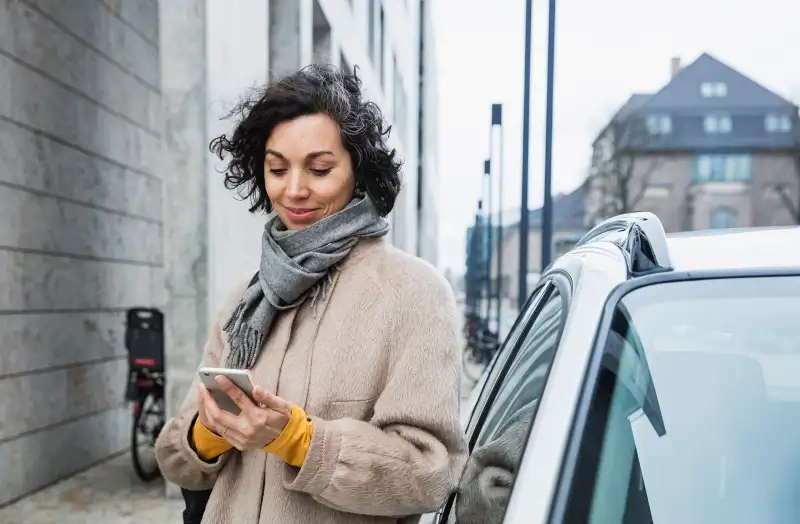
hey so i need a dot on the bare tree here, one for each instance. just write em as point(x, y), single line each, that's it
point(789, 193)
point(785, 191)
point(622, 165)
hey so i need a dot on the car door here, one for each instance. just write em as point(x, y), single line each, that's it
point(506, 408)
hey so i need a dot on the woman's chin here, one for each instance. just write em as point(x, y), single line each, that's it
point(295, 225)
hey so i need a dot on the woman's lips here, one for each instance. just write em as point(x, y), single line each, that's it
point(299, 214)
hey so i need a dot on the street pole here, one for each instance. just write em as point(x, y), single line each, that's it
point(547, 208)
point(522, 296)
point(487, 172)
point(473, 276)
point(497, 120)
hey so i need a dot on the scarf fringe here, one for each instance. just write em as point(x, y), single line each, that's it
point(245, 341)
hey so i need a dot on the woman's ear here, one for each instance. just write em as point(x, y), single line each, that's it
point(359, 191)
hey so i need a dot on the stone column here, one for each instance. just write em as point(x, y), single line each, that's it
point(183, 168)
point(234, 234)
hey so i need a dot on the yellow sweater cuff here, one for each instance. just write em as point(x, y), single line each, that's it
point(208, 444)
point(295, 439)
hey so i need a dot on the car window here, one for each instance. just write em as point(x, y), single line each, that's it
point(688, 421)
point(498, 446)
point(521, 326)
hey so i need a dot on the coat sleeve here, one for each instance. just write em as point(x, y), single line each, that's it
point(408, 458)
point(178, 460)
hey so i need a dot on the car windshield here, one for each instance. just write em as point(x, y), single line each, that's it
point(704, 419)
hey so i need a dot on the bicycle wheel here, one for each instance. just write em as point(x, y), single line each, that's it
point(148, 419)
point(472, 370)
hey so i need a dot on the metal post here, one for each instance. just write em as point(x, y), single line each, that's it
point(526, 111)
point(497, 120)
point(473, 277)
point(547, 208)
point(487, 172)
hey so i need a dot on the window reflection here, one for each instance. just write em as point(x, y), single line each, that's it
point(486, 484)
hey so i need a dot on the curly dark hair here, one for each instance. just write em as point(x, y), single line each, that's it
point(316, 89)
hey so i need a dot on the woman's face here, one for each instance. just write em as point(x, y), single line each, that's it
point(307, 170)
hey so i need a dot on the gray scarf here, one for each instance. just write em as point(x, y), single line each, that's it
point(292, 264)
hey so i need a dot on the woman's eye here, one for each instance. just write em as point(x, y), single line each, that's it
point(321, 172)
point(277, 172)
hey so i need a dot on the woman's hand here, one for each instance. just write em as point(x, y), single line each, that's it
point(255, 427)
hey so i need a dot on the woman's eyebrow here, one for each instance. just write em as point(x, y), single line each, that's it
point(317, 154)
point(274, 153)
point(310, 156)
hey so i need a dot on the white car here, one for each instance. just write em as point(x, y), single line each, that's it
point(649, 379)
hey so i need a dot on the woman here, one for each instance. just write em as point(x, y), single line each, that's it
point(353, 344)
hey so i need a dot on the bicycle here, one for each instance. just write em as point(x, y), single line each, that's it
point(481, 346)
point(144, 340)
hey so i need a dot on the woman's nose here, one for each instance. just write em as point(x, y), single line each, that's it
point(297, 186)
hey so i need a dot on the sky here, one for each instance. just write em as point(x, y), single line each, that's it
point(605, 51)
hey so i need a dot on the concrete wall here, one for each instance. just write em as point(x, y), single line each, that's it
point(81, 228)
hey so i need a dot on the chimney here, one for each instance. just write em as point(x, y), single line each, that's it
point(675, 66)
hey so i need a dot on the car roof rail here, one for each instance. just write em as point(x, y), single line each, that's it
point(640, 235)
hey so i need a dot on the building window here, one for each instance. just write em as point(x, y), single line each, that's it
point(777, 123)
point(725, 124)
point(400, 109)
point(382, 50)
point(723, 218)
point(659, 125)
point(723, 168)
point(718, 124)
point(713, 89)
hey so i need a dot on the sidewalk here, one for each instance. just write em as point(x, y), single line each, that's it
point(109, 493)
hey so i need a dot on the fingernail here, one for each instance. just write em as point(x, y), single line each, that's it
point(219, 380)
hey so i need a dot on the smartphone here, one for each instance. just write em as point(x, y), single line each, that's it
point(239, 377)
